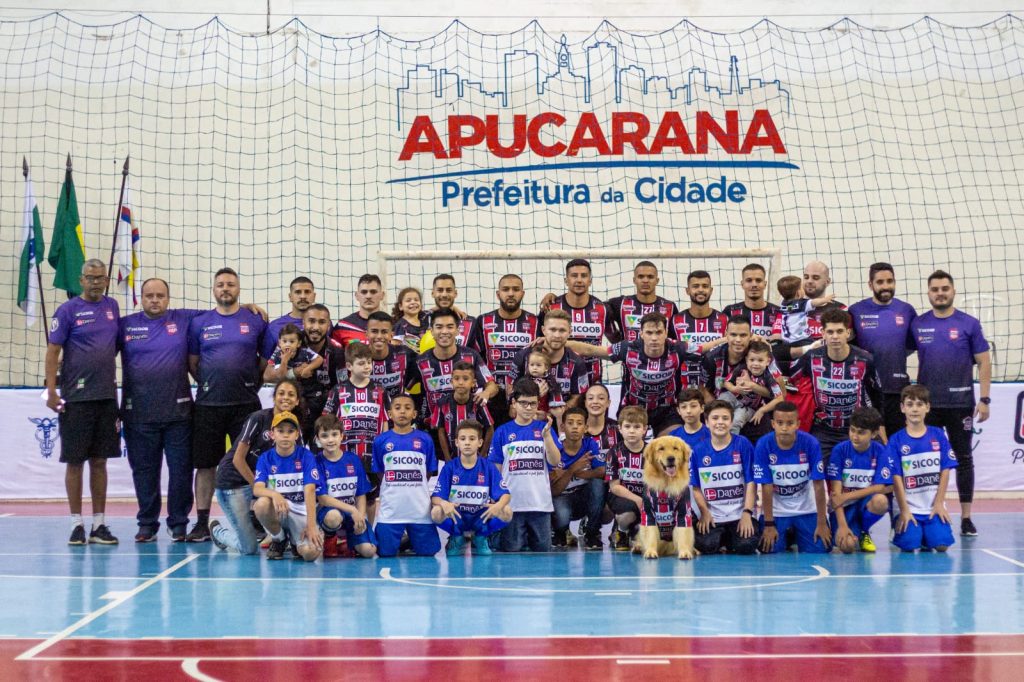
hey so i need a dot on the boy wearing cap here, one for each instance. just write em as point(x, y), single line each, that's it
point(285, 490)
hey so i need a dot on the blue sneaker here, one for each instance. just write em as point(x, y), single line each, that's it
point(480, 546)
point(456, 545)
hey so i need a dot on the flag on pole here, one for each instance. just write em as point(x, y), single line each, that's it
point(67, 248)
point(31, 255)
point(127, 251)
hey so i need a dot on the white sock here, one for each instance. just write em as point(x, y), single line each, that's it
point(76, 520)
point(278, 536)
point(97, 521)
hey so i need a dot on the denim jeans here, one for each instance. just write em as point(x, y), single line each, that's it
point(239, 533)
point(586, 501)
point(532, 528)
point(147, 444)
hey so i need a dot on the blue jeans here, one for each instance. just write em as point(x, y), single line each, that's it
point(239, 533)
point(147, 445)
point(530, 527)
point(586, 500)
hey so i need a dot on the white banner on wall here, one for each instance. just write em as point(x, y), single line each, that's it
point(32, 448)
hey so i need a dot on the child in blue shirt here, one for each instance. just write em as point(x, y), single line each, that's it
point(342, 494)
point(690, 407)
point(469, 497)
point(577, 483)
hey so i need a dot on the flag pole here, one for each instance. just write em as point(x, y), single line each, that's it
point(117, 224)
point(39, 272)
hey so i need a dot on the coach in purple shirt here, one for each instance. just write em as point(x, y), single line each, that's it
point(224, 357)
point(949, 344)
point(85, 329)
point(882, 327)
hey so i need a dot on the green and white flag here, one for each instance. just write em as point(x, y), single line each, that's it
point(31, 256)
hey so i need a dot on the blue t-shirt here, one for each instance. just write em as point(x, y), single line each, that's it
point(884, 331)
point(154, 367)
point(858, 470)
point(589, 446)
point(274, 331)
point(920, 461)
point(228, 349)
point(405, 463)
point(345, 479)
point(791, 472)
point(722, 476)
point(289, 475)
point(88, 333)
point(470, 489)
point(692, 439)
point(518, 451)
point(945, 349)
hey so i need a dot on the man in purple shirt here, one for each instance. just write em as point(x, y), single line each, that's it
point(85, 330)
point(301, 294)
point(224, 357)
point(882, 327)
point(949, 343)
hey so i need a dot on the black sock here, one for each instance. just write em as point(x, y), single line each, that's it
point(203, 516)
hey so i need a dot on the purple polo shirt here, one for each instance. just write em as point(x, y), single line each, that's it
point(945, 349)
point(88, 333)
point(228, 348)
point(274, 331)
point(154, 367)
point(884, 331)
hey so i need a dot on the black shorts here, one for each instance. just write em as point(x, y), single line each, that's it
point(212, 425)
point(88, 430)
point(663, 417)
point(620, 505)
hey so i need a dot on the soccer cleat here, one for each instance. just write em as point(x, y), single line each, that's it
point(967, 528)
point(480, 546)
point(621, 542)
point(214, 527)
point(331, 547)
point(276, 549)
point(866, 543)
point(199, 533)
point(77, 535)
point(100, 535)
point(456, 545)
point(178, 533)
point(145, 535)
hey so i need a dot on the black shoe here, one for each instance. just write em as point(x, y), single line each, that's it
point(594, 544)
point(558, 539)
point(178, 533)
point(967, 528)
point(214, 525)
point(145, 535)
point(199, 533)
point(621, 541)
point(100, 535)
point(276, 549)
point(77, 536)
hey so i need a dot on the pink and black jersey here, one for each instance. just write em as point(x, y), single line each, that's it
point(589, 324)
point(463, 330)
point(349, 329)
point(667, 512)
point(436, 374)
point(449, 414)
point(498, 340)
point(571, 372)
point(625, 313)
point(838, 386)
point(765, 379)
point(609, 436)
point(718, 369)
point(814, 317)
point(626, 467)
point(397, 372)
point(763, 322)
point(363, 412)
point(697, 331)
point(653, 382)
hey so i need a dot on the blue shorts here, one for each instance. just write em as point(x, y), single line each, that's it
point(926, 534)
point(423, 536)
point(353, 538)
point(472, 522)
point(803, 526)
point(854, 516)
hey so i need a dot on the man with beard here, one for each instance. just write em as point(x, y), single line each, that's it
point(816, 283)
point(882, 327)
point(588, 315)
point(369, 296)
point(301, 294)
point(949, 343)
point(624, 312)
point(500, 334)
point(765, 318)
point(444, 292)
point(223, 356)
point(435, 365)
point(567, 368)
point(700, 326)
point(317, 383)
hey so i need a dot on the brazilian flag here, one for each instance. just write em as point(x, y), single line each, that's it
point(67, 248)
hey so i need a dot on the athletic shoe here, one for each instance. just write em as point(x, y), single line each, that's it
point(100, 535)
point(594, 544)
point(967, 528)
point(558, 540)
point(214, 527)
point(178, 533)
point(456, 545)
point(77, 535)
point(571, 539)
point(866, 543)
point(621, 542)
point(199, 533)
point(331, 547)
point(481, 546)
point(276, 550)
point(145, 535)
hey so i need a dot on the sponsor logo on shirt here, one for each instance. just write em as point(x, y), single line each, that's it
point(517, 339)
point(838, 385)
point(243, 328)
point(954, 334)
point(899, 320)
point(171, 328)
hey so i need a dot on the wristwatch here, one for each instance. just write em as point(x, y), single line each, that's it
point(985, 401)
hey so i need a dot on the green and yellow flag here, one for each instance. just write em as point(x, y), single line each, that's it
point(67, 248)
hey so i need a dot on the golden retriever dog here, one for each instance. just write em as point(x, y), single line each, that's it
point(666, 478)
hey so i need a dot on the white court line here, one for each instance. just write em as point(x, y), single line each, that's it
point(4, 516)
point(79, 624)
point(820, 573)
point(642, 661)
point(1004, 558)
point(190, 666)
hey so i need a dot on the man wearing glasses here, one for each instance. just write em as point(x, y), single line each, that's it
point(85, 330)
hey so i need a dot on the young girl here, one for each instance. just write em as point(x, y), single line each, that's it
point(600, 426)
point(291, 352)
point(410, 320)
